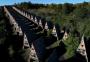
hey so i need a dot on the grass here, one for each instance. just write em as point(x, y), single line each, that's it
point(71, 46)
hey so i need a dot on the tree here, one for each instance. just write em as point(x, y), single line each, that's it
point(67, 8)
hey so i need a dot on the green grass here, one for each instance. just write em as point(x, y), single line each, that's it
point(71, 46)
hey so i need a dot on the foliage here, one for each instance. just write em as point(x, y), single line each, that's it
point(75, 17)
point(72, 16)
point(71, 46)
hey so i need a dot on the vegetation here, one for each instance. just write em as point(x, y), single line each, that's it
point(75, 17)
point(72, 16)
point(71, 46)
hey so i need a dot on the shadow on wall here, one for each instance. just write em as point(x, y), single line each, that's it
point(9, 51)
point(57, 53)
